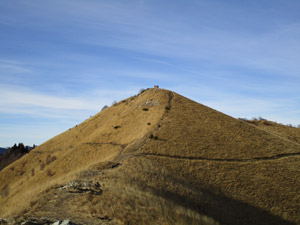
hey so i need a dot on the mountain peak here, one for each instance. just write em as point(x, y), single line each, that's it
point(157, 158)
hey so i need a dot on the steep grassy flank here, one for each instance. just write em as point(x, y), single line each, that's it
point(198, 131)
point(157, 158)
point(98, 139)
point(229, 157)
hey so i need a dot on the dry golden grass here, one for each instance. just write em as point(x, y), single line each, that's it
point(160, 159)
point(287, 132)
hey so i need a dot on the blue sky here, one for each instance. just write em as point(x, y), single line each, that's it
point(61, 61)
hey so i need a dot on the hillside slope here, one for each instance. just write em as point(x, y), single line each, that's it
point(289, 132)
point(157, 158)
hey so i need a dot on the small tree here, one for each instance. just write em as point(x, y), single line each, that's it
point(142, 90)
point(22, 148)
point(15, 147)
point(104, 107)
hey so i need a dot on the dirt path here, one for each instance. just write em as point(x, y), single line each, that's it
point(275, 157)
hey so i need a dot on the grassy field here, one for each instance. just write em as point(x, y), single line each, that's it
point(160, 158)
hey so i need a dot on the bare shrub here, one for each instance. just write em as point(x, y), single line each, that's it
point(4, 191)
point(53, 158)
point(42, 166)
point(50, 173)
point(33, 203)
point(22, 172)
point(141, 91)
point(50, 159)
point(267, 123)
point(151, 136)
point(104, 107)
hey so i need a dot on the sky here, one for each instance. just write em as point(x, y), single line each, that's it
point(61, 61)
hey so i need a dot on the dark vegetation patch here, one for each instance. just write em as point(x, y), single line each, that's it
point(42, 166)
point(4, 191)
point(105, 165)
point(151, 136)
point(142, 91)
point(115, 165)
point(13, 153)
point(256, 121)
point(50, 159)
point(22, 172)
point(104, 107)
point(267, 123)
point(50, 173)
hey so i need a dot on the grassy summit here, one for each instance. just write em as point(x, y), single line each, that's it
point(158, 158)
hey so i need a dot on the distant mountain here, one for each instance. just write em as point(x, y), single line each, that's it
point(2, 150)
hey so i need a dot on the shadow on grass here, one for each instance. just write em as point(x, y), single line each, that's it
point(225, 210)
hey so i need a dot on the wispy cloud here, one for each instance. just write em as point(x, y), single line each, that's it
point(21, 101)
point(275, 50)
point(72, 57)
point(8, 67)
point(21, 97)
point(203, 36)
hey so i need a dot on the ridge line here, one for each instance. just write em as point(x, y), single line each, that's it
point(144, 138)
